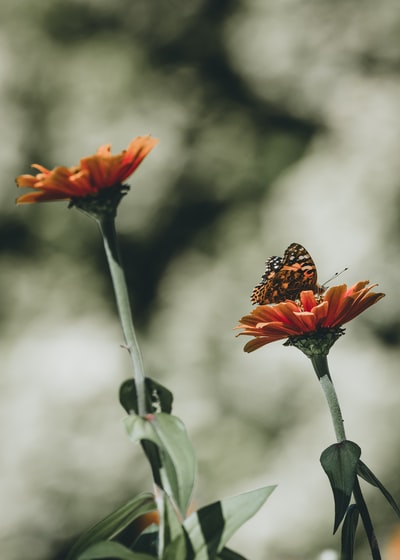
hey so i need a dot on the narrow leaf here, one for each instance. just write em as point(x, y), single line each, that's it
point(348, 533)
point(339, 461)
point(152, 453)
point(180, 460)
point(173, 538)
point(369, 477)
point(228, 554)
point(170, 527)
point(238, 509)
point(112, 550)
point(141, 430)
point(176, 550)
point(113, 524)
point(176, 451)
point(211, 527)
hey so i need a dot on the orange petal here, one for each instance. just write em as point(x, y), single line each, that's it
point(306, 322)
point(40, 196)
point(334, 296)
point(321, 311)
point(26, 181)
point(308, 300)
point(261, 341)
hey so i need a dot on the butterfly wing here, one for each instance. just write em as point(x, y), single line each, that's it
point(298, 272)
point(286, 277)
point(263, 292)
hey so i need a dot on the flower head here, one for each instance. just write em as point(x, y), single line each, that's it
point(92, 176)
point(312, 315)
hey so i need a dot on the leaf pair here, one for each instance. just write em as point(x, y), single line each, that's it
point(200, 536)
point(342, 464)
point(339, 461)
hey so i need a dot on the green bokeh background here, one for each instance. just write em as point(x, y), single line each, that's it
point(278, 121)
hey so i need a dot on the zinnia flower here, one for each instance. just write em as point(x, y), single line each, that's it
point(313, 315)
point(94, 174)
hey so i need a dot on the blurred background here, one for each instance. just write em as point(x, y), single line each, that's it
point(279, 121)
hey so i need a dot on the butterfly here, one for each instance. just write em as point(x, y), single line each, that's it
point(285, 277)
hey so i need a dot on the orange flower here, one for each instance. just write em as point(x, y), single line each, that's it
point(95, 173)
point(313, 314)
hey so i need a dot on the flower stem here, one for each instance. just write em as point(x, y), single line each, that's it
point(107, 228)
point(320, 364)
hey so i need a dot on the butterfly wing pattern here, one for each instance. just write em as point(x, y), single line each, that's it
point(285, 277)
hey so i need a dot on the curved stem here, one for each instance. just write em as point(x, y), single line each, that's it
point(320, 364)
point(107, 228)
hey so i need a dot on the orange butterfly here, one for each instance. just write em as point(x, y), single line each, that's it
point(285, 277)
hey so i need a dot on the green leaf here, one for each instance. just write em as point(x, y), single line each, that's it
point(339, 461)
point(228, 554)
point(108, 550)
point(173, 538)
point(178, 458)
point(145, 542)
point(176, 550)
point(113, 524)
point(170, 528)
point(176, 452)
point(369, 477)
point(158, 397)
point(128, 396)
point(211, 527)
point(152, 453)
point(348, 533)
point(161, 397)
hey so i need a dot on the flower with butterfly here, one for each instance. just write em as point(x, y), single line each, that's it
point(292, 305)
point(309, 315)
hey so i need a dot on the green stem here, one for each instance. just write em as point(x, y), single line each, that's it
point(320, 364)
point(107, 228)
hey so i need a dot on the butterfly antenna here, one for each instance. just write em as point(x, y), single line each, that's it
point(335, 276)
